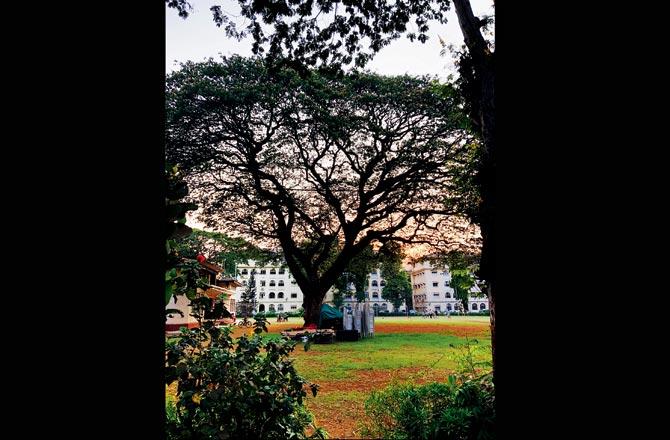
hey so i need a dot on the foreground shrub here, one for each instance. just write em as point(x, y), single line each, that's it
point(247, 389)
point(449, 411)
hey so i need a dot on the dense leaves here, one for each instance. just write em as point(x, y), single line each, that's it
point(235, 389)
point(181, 274)
point(398, 288)
point(223, 250)
point(325, 32)
point(247, 302)
point(324, 166)
point(450, 411)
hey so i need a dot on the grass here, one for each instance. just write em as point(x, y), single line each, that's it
point(414, 349)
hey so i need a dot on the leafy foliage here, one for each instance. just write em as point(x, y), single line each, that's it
point(222, 249)
point(325, 165)
point(463, 408)
point(449, 411)
point(344, 33)
point(242, 389)
point(398, 288)
point(248, 300)
point(472, 359)
point(181, 274)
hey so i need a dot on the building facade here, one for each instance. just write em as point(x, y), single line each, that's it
point(219, 288)
point(431, 291)
point(276, 289)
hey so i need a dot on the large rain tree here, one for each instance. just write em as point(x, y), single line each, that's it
point(320, 166)
point(336, 33)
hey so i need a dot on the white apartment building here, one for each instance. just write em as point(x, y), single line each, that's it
point(276, 289)
point(373, 293)
point(431, 291)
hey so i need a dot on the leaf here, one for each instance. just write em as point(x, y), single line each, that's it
point(169, 289)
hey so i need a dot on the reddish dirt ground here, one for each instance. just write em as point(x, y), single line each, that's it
point(458, 330)
point(341, 418)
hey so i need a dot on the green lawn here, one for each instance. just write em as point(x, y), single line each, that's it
point(415, 350)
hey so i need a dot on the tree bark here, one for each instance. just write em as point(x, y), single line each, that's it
point(312, 306)
point(484, 68)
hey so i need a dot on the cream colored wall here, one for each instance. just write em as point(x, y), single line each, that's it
point(181, 304)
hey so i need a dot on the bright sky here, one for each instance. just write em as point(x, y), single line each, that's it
point(197, 38)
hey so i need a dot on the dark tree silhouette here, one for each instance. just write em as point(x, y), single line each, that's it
point(333, 33)
point(322, 166)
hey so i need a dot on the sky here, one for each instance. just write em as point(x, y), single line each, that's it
point(197, 38)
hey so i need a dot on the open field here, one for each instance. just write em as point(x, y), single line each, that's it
point(414, 349)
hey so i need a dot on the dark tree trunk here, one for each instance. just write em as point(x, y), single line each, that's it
point(485, 70)
point(487, 209)
point(312, 306)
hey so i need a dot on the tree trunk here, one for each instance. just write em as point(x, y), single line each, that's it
point(485, 69)
point(312, 306)
point(487, 175)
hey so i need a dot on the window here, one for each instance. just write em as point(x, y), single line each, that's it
point(446, 284)
point(382, 283)
point(273, 271)
point(280, 295)
point(244, 283)
point(280, 307)
point(294, 282)
point(375, 294)
point(272, 282)
point(482, 306)
point(437, 308)
point(272, 307)
point(385, 306)
point(282, 270)
point(262, 272)
point(448, 306)
point(262, 295)
point(244, 271)
point(271, 295)
point(280, 283)
point(263, 283)
point(434, 272)
point(294, 295)
point(435, 284)
point(474, 306)
point(293, 307)
point(436, 294)
point(374, 283)
point(261, 308)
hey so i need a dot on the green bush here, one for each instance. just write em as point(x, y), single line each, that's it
point(243, 389)
point(452, 411)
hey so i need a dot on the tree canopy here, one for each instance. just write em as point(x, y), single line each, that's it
point(223, 250)
point(330, 33)
point(398, 288)
point(322, 166)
